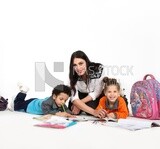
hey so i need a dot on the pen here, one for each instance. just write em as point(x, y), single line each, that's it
point(63, 108)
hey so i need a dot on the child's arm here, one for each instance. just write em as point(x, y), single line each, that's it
point(64, 114)
point(101, 108)
point(47, 109)
point(112, 115)
point(101, 104)
point(65, 109)
point(122, 109)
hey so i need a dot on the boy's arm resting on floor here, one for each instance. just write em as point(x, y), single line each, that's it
point(49, 108)
point(67, 110)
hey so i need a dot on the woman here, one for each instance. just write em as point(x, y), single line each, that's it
point(86, 83)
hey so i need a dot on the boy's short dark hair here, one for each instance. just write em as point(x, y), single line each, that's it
point(61, 89)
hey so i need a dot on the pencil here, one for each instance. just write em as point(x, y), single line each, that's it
point(101, 107)
point(63, 108)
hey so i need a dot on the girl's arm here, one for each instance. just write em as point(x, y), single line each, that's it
point(122, 109)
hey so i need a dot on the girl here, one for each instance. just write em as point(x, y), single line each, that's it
point(112, 102)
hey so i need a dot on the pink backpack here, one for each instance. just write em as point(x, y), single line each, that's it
point(145, 98)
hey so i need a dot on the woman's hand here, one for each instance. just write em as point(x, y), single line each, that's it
point(100, 113)
point(75, 110)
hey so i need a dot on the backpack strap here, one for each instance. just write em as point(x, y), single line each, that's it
point(148, 75)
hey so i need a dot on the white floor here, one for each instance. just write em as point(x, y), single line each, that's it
point(17, 132)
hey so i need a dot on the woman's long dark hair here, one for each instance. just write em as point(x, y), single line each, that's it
point(73, 76)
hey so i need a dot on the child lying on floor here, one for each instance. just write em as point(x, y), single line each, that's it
point(112, 102)
point(54, 105)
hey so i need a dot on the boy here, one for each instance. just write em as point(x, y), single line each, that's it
point(55, 104)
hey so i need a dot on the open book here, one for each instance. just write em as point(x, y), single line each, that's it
point(54, 122)
point(80, 118)
point(135, 124)
point(77, 118)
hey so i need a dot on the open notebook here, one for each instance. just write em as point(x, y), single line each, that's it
point(54, 122)
point(77, 118)
point(135, 124)
point(80, 118)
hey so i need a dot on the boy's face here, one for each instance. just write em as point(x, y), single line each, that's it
point(112, 93)
point(60, 99)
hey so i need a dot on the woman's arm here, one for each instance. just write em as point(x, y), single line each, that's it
point(81, 105)
point(87, 99)
point(98, 86)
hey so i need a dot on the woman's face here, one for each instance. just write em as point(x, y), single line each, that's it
point(79, 65)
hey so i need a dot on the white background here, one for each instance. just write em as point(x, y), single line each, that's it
point(116, 33)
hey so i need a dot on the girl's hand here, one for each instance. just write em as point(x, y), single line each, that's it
point(111, 115)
